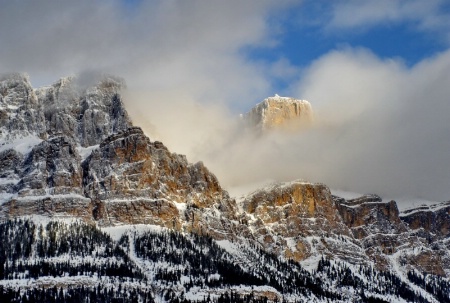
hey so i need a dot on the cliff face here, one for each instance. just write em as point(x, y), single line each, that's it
point(86, 114)
point(84, 159)
point(21, 113)
point(133, 180)
point(431, 225)
point(281, 113)
point(433, 219)
point(89, 114)
point(300, 220)
point(41, 134)
point(390, 237)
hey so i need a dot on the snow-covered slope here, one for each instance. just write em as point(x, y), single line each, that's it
point(64, 262)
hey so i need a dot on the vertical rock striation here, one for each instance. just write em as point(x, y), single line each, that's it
point(282, 113)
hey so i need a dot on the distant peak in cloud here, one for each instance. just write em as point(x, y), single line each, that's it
point(280, 113)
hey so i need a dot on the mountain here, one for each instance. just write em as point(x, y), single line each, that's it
point(282, 113)
point(92, 208)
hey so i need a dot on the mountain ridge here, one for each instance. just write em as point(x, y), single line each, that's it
point(89, 162)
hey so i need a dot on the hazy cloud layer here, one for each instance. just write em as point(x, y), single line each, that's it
point(192, 47)
point(380, 127)
point(429, 16)
point(387, 126)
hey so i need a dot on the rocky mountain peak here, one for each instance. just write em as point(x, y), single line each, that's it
point(21, 112)
point(88, 112)
point(283, 113)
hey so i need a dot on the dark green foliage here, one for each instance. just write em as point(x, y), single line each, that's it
point(30, 251)
point(440, 288)
point(201, 255)
point(57, 239)
point(202, 258)
point(79, 294)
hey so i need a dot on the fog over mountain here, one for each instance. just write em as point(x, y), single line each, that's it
point(380, 124)
point(379, 127)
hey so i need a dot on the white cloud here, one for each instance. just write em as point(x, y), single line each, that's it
point(193, 47)
point(381, 126)
point(428, 16)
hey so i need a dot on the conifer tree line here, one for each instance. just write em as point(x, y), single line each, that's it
point(167, 266)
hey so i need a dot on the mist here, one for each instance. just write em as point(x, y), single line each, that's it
point(380, 125)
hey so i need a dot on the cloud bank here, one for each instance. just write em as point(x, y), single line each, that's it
point(381, 127)
point(195, 47)
point(384, 126)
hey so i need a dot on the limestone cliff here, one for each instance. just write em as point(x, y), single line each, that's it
point(81, 157)
point(87, 113)
point(281, 113)
point(416, 239)
point(21, 113)
point(300, 220)
point(133, 180)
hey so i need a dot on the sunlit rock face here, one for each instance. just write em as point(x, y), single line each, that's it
point(134, 180)
point(69, 149)
point(300, 220)
point(280, 113)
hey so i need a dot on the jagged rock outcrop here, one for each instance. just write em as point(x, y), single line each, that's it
point(126, 179)
point(50, 181)
point(139, 181)
point(89, 114)
point(369, 215)
point(299, 220)
point(21, 113)
point(376, 224)
point(431, 225)
point(433, 219)
point(9, 173)
point(53, 165)
point(280, 113)
point(388, 236)
point(41, 132)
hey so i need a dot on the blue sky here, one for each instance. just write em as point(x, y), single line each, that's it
point(376, 72)
point(309, 30)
